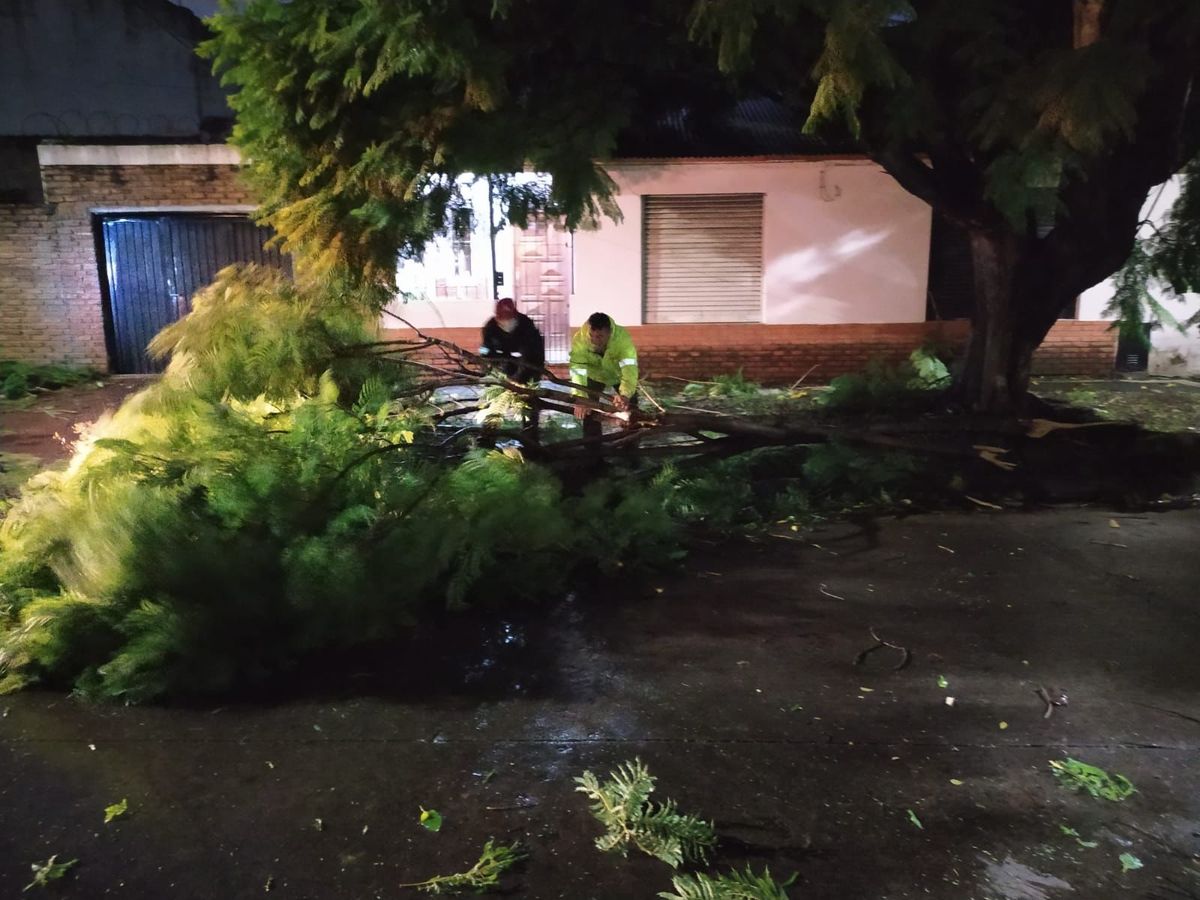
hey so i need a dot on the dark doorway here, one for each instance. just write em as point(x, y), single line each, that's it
point(153, 264)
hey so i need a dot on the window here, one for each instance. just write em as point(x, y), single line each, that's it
point(460, 242)
point(702, 258)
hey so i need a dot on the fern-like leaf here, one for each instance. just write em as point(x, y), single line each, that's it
point(622, 804)
point(736, 885)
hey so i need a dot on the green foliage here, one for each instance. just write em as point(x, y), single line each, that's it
point(719, 496)
point(736, 885)
point(49, 871)
point(363, 123)
point(1175, 248)
point(838, 474)
point(732, 387)
point(231, 520)
point(497, 403)
point(18, 379)
point(430, 819)
point(254, 332)
point(359, 118)
point(1080, 776)
point(116, 810)
point(1163, 265)
point(623, 806)
point(889, 387)
point(788, 484)
point(625, 524)
point(493, 862)
point(1129, 862)
point(15, 470)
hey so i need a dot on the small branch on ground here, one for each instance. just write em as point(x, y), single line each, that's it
point(880, 643)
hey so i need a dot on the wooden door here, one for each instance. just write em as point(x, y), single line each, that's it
point(543, 269)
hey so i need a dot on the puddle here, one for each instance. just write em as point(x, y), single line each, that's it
point(1010, 880)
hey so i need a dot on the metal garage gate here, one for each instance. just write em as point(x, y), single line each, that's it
point(153, 265)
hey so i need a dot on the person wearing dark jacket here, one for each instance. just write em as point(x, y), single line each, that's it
point(513, 342)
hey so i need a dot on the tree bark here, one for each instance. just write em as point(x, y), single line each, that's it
point(986, 380)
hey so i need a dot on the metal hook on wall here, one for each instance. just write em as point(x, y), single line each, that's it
point(827, 194)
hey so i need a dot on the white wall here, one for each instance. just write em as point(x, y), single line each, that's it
point(861, 256)
point(424, 308)
point(1171, 352)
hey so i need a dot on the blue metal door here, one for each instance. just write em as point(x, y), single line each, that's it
point(154, 264)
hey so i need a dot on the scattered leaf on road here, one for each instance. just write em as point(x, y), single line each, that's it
point(117, 809)
point(942, 682)
point(431, 819)
point(955, 781)
point(1129, 862)
point(44, 873)
point(1078, 775)
point(867, 690)
point(912, 817)
point(1003, 725)
point(1113, 523)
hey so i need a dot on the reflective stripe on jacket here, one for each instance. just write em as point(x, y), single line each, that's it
point(617, 366)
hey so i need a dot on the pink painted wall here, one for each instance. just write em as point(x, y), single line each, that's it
point(861, 256)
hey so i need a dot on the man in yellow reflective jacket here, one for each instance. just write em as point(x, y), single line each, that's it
point(603, 357)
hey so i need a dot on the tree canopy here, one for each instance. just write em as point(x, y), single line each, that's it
point(1036, 125)
point(358, 117)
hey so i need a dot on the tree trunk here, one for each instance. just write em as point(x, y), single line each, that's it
point(1020, 292)
point(986, 382)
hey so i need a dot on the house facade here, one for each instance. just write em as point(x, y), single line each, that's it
point(118, 198)
point(779, 266)
point(742, 244)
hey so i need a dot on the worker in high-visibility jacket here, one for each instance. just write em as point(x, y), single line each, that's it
point(603, 358)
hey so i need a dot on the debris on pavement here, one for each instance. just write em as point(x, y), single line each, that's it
point(880, 643)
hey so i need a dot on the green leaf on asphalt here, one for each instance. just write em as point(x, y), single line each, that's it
point(942, 682)
point(1071, 832)
point(117, 809)
point(431, 819)
point(912, 817)
point(1129, 862)
point(44, 873)
point(1078, 775)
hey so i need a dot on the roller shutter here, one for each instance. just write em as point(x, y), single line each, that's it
point(702, 258)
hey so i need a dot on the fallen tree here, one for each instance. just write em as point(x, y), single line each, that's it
point(441, 366)
point(292, 487)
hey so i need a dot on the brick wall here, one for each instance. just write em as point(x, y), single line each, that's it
point(51, 308)
point(50, 301)
point(780, 354)
point(1077, 348)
